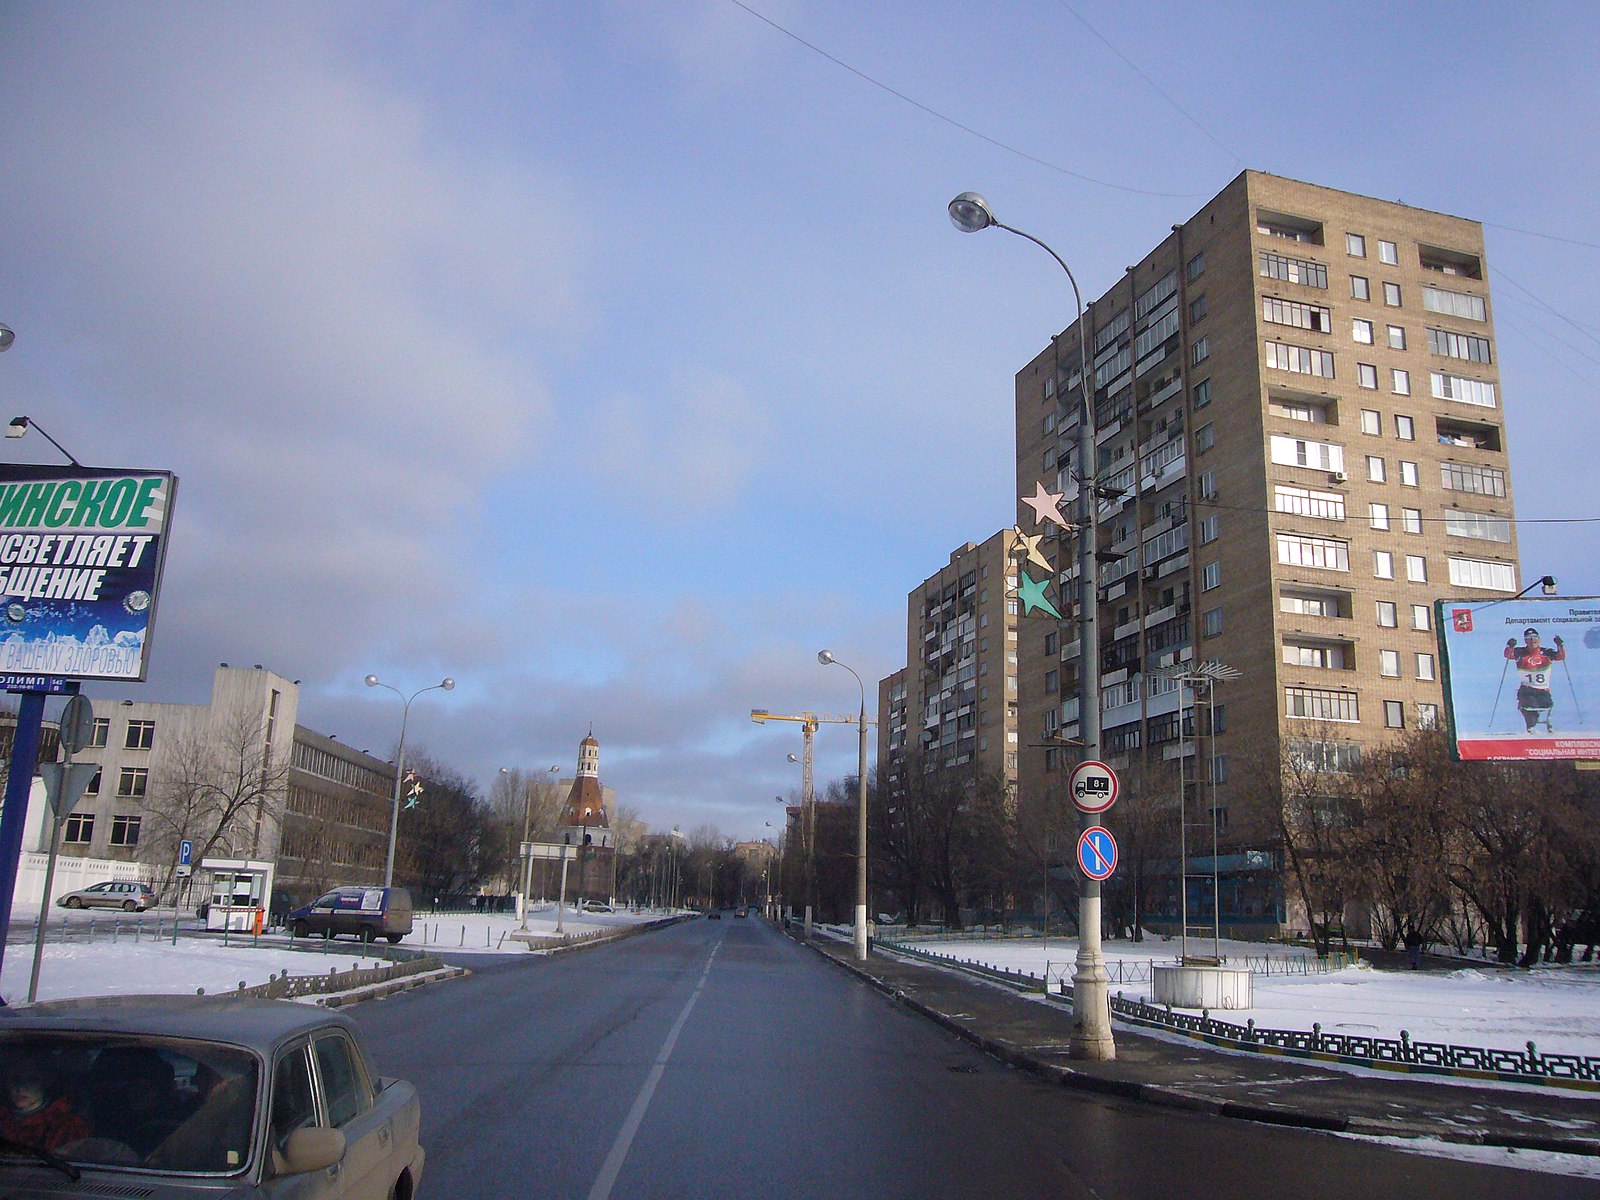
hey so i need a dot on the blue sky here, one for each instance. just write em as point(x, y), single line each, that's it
point(613, 358)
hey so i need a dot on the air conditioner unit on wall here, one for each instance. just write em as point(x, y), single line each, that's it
point(1338, 477)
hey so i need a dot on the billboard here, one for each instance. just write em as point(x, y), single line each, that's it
point(1522, 677)
point(81, 551)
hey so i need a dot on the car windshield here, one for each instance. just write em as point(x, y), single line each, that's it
point(166, 1104)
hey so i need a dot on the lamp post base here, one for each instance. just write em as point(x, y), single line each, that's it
point(1091, 989)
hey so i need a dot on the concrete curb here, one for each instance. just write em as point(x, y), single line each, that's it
point(1176, 1098)
point(378, 991)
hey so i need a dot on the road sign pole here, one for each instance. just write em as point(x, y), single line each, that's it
point(24, 756)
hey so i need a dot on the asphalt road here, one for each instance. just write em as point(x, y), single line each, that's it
point(721, 1059)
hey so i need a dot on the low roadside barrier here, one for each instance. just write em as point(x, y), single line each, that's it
point(285, 986)
point(1403, 1054)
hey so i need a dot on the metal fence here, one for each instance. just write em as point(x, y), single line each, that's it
point(1528, 1065)
point(285, 986)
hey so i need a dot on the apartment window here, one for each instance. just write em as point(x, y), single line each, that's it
point(1208, 485)
point(94, 784)
point(132, 781)
point(101, 732)
point(1383, 564)
point(1372, 422)
point(1482, 573)
point(1195, 267)
point(1301, 452)
point(1204, 438)
point(1211, 622)
point(1202, 350)
point(1379, 514)
point(1312, 604)
point(1300, 360)
point(1197, 308)
point(1391, 294)
point(1321, 704)
point(1416, 568)
point(1427, 716)
point(1052, 681)
point(1389, 664)
point(1355, 245)
point(1301, 316)
point(1388, 614)
point(1328, 554)
point(1411, 520)
point(124, 830)
point(1202, 393)
point(1210, 576)
point(1377, 469)
point(79, 829)
point(1399, 381)
point(1293, 270)
point(1209, 529)
point(1303, 502)
point(1421, 617)
point(140, 736)
point(1394, 714)
point(1388, 253)
point(1454, 304)
point(1361, 331)
point(1461, 389)
point(1360, 288)
point(1468, 477)
point(1409, 476)
point(1367, 375)
point(1424, 665)
point(1459, 345)
point(1325, 655)
point(1397, 337)
point(1483, 526)
point(1405, 429)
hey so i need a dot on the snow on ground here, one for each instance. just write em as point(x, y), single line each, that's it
point(1556, 1008)
point(124, 956)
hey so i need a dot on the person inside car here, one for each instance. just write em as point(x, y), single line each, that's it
point(29, 1115)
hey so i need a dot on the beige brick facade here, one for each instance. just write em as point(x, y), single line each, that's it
point(1284, 361)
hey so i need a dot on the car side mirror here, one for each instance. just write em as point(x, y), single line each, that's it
point(312, 1149)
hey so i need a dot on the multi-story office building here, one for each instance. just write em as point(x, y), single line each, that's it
point(1300, 447)
point(238, 767)
point(953, 708)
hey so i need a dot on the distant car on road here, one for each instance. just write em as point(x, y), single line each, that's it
point(191, 1095)
point(741, 911)
point(598, 906)
point(714, 914)
point(130, 896)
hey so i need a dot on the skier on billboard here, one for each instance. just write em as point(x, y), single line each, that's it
point(1534, 662)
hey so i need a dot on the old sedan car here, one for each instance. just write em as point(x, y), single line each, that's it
point(124, 894)
point(191, 1095)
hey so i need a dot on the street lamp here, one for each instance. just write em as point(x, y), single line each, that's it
point(445, 684)
point(826, 658)
point(21, 425)
point(1091, 992)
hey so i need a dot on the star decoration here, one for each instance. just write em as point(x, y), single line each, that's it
point(1046, 506)
point(1028, 547)
point(1031, 594)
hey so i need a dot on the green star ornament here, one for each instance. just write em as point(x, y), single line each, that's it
point(1031, 594)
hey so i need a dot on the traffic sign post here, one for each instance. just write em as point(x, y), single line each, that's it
point(1097, 852)
point(1094, 786)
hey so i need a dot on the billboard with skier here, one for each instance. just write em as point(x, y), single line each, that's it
point(1522, 677)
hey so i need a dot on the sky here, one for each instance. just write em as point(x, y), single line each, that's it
point(614, 358)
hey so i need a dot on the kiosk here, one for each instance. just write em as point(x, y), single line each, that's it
point(239, 891)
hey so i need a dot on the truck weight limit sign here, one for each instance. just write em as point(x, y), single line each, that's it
point(1094, 786)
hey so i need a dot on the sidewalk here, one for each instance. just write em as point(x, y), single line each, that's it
point(1033, 1034)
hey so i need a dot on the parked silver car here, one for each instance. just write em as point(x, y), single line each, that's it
point(189, 1095)
point(130, 896)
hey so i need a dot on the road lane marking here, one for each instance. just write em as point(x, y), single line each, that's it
point(612, 1167)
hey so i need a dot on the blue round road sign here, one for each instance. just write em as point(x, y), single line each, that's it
point(1097, 852)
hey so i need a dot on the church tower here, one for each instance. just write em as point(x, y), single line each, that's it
point(586, 826)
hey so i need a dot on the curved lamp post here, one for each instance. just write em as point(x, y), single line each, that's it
point(446, 685)
point(1091, 992)
point(826, 658)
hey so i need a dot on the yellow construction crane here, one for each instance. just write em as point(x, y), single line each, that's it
point(808, 722)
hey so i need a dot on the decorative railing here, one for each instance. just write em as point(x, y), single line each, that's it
point(1529, 1065)
point(285, 986)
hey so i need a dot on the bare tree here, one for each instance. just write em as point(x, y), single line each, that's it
point(217, 786)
